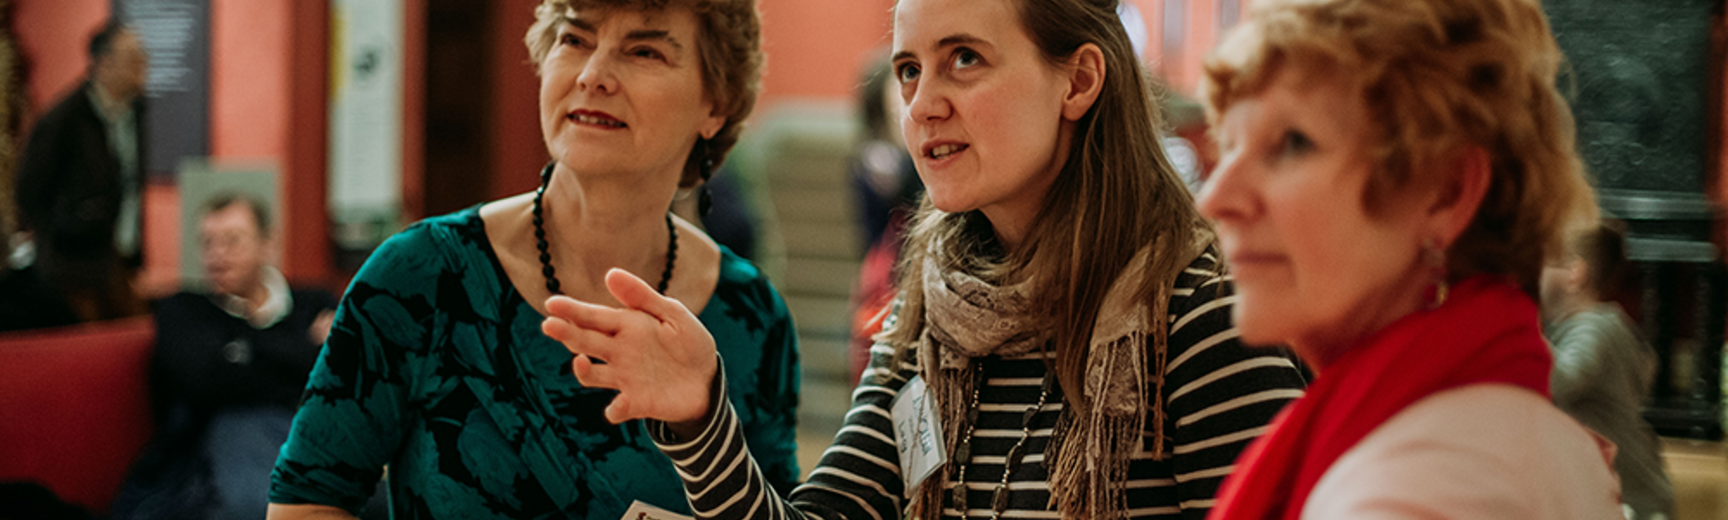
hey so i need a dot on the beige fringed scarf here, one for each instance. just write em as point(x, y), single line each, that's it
point(965, 317)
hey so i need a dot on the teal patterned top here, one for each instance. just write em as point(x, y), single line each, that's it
point(436, 367)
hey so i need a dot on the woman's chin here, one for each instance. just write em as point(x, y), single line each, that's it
point(949, 205)
point(1257, 329)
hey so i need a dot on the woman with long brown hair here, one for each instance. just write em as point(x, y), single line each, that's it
point(1061, 302)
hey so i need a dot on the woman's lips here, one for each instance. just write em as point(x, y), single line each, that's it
point(1252, 264)
point(596, 118)
point(941, 151)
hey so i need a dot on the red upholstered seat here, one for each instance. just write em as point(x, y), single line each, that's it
point(74, 407)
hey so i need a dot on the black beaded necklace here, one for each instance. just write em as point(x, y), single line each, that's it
point(1016, 454)
point(546, 256)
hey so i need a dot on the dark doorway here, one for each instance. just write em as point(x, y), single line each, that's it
point(458, 101)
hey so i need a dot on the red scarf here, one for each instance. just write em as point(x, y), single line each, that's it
point(1486, 332)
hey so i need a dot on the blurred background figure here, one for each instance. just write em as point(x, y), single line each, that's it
point(229, 368)
point(886, 189)
point(1602, 370)
point(28, 301)
point(80, 181)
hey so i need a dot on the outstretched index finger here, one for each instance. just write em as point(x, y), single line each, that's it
point(636, 294)
point(598, 318)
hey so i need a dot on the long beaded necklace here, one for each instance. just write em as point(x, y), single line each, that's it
point(963, 451)
point(546, 256)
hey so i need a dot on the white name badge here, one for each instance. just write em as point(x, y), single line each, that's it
point(640, 510)
point(917, 433)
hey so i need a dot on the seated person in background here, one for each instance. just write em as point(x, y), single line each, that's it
point(1602, 370)
point(229, 369)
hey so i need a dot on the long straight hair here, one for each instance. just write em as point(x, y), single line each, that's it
point(1115, 194)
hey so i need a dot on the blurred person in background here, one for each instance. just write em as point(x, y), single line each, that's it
point(28, 301)
point(1394, 175)
point(1062, 312)
point(1603, 371)
point(437, 366)
point(81, 181)
point(228, 371)
point(887, 190)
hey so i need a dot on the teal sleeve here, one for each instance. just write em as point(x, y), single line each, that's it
point(354, 411)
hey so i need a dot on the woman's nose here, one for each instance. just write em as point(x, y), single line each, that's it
point(1224, 196)
point(929, 103)
point(597, 74)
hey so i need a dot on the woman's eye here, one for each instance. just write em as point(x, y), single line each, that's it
point(907, 73)
point(965, 58)
point(1296, 143)
point(648, 52)
point(568, 39)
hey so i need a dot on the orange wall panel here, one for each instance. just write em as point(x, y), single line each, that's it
point(54, 37)
point(268, 89)
point(249, 79)
point(816, 47)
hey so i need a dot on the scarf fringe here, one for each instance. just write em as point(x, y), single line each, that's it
point(1089, 453)
point(1094, 450)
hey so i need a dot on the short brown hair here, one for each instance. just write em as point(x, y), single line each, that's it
point(1436, 75)
point(729, 36)
point(257, 207)
point(1602, 247)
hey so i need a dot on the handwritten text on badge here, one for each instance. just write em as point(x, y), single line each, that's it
point(917, 432)
point(640, 510)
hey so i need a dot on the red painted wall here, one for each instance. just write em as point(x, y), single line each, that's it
point(413, 109)
point(53, 36)
point(518, 152)
point(816, 48)
point(267, 90)
point(267, 60)
point(249, 79)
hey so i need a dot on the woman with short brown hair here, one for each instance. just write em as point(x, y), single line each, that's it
point(436, 365)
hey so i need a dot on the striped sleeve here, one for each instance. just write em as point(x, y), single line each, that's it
point(1220, 394)
point(857, 478)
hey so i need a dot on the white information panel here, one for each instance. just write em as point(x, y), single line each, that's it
point(365, 182)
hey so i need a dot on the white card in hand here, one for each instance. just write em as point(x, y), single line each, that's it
point(917, 433)
point(640, 510)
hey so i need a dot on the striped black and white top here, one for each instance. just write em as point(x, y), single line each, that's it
point(1219, 396)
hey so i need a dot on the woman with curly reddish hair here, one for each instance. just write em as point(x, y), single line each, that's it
point(1393, 174)
point(436, 365)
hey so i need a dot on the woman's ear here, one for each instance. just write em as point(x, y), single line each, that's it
point(712, 126)
point(1085, 81)
point(1461, 194)
point(1577, 275)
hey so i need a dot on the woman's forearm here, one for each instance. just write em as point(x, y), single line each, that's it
point(306, 512)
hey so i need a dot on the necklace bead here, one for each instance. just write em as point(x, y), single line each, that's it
point(1016, 455)
point(544, 247)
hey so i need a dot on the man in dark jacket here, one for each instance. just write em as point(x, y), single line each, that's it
point(81, 178)
point(229, 369)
